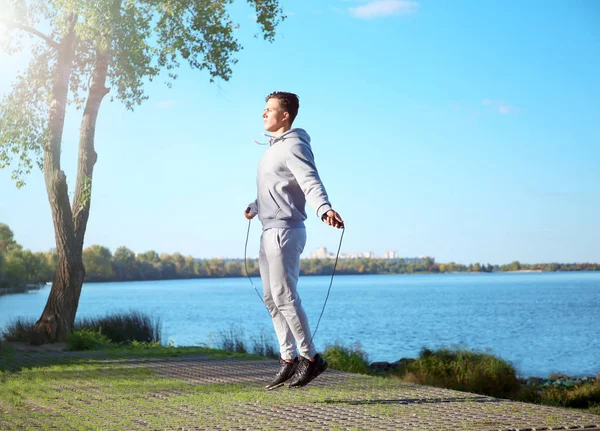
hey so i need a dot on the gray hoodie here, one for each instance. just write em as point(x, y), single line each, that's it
point(288, 178)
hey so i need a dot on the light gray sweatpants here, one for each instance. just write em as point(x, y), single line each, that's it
point(279, 260)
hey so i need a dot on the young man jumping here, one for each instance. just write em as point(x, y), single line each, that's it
point(287, 179)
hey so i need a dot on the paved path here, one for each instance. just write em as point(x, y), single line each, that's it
point(226, 394)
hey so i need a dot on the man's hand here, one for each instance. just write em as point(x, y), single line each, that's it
point(248, 214)
point(332, 218)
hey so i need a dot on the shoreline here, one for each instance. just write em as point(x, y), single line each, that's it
point(341, 274)
point(561, 378)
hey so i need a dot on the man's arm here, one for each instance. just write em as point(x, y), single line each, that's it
point(300, 160)
point(252, 210)
point(301, 163)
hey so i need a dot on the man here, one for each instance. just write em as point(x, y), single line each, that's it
point(287, 179)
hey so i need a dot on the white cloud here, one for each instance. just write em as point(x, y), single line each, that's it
point(164, 104)
point(506, 109)
point(500, 106)
point(379, 8)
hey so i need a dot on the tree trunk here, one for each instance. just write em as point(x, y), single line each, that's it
point(70, 224)
point(87, 153)
point(59, 314)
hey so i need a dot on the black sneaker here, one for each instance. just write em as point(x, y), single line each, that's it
point(286, 370)
point(307, 371)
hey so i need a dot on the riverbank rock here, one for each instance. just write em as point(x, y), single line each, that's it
point(397, 366)
point(559, 380)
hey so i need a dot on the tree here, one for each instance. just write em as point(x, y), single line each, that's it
point(515, 266)
point(148, 265)
point(86, 49)
point(98, 263)
point(2, 270)
point(124, 264)
point(233, 269)
point(7, 239)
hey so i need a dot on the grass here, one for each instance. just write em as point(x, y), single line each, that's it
point(351, 359)
point(118, 328)
point(458, 369)
point(171, 352)
point(20, 330)
point(134, 334)
point(8, 358)
point(583, 396)
point(234, 340)
point(124, 327)
point(94, 394)
point(54, 389)
point(114, 392)
point(463, 370)
point(87, 339)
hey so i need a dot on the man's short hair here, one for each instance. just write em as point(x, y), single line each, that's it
point(289, 103)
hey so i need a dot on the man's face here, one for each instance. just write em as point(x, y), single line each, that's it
point(273, 117)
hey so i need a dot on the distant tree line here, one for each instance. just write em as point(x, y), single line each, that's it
point(19, 267)
point(428, 265)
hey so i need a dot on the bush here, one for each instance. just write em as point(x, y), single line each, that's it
point(87, 339)
point(124, 327)
point(463, 370)
point(581, 396)
point(19, 330)
point(594, 409)
point(117, 327)
point(352, 359)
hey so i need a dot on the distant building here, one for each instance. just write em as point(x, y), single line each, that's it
point(323, 253)
point(390, 254)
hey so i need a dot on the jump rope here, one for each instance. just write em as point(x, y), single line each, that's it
point(328, 289)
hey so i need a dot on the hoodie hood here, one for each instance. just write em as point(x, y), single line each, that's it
point(298, 133)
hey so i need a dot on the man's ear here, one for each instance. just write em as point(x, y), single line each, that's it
point(286, 116)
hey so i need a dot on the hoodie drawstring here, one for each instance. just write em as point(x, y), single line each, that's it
point(271, 139)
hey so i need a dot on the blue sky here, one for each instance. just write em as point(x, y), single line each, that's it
point(464, 130)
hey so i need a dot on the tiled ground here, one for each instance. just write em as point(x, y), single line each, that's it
point(227, 394)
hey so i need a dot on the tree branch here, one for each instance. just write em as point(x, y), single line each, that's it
point(31, 30)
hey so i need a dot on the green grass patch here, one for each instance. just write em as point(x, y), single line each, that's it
point(87, 339)
point(463, 370)
point(167, 352)
point(101, 391)
point(351, 359)
point(12, 360)
point(94, 394)
point(583, 396)
point(124, 335)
